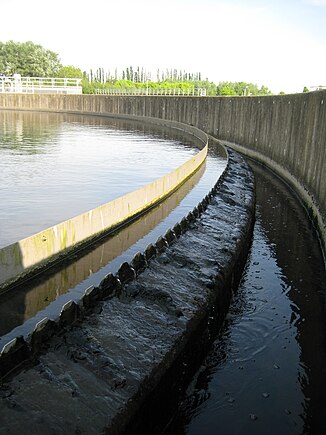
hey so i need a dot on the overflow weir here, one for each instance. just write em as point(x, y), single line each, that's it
point(107, 361)
point(285, 132)
point(31, 254)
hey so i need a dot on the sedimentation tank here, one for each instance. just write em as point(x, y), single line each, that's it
point(286, 133)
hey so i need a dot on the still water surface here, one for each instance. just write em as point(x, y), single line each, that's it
point(24, 306)
point(56, 166)
point(265, 373)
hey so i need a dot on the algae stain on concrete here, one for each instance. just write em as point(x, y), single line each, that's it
point(17, 255)
point(63, 238)
point(73, 233)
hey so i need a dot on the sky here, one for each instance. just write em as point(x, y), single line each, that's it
point(277, 43)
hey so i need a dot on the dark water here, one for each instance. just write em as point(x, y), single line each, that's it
point(266, 371)
point(56, 166)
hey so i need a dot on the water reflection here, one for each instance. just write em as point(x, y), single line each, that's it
point(56, 166)
point(299, 258)
point(21, 308)
point(266, 374)
point(25, 133)
point(35, 298)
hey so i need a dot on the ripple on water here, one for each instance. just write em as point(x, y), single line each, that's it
point(262, 375)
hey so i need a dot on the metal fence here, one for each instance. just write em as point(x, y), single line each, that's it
point(198, 92)
point(41, 85)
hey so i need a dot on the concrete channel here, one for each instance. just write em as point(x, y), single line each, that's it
point(27, 256)
point(115, 362)
point(105, 362)
point(287, 133)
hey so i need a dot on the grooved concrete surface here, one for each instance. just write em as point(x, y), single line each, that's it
point(96, 375)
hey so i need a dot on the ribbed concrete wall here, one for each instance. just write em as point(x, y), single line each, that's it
point(287, 132)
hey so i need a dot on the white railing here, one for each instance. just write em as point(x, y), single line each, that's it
point(198, 92)
point(41, 85)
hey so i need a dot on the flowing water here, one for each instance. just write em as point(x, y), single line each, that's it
point(266, 371)
point(162, 150)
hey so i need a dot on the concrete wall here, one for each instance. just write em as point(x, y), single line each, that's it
point(24, 256)
point(138, 336)
point(286, 132)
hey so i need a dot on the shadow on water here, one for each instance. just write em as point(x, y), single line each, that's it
point(265, 373)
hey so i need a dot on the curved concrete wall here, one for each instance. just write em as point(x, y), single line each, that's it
point(158, 315)
point(286, 132)
point(24, 256)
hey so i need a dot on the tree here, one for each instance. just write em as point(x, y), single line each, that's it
point(264, 91)
point(241, 89)
point(226, 88)
point(28, 59)
point(305, 89)
point(70, 71)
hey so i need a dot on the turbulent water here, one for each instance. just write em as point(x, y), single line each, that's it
point(44, 296)
point(265, 373)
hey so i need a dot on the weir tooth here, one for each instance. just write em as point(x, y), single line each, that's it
point(13, 354)
point(69, 313)
point(43, 330)
point(161, 244)
point(177, 229)
point(90, 296)
point(150, 251)
point(139, 262)
point(170, 236)
point(126, 273)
